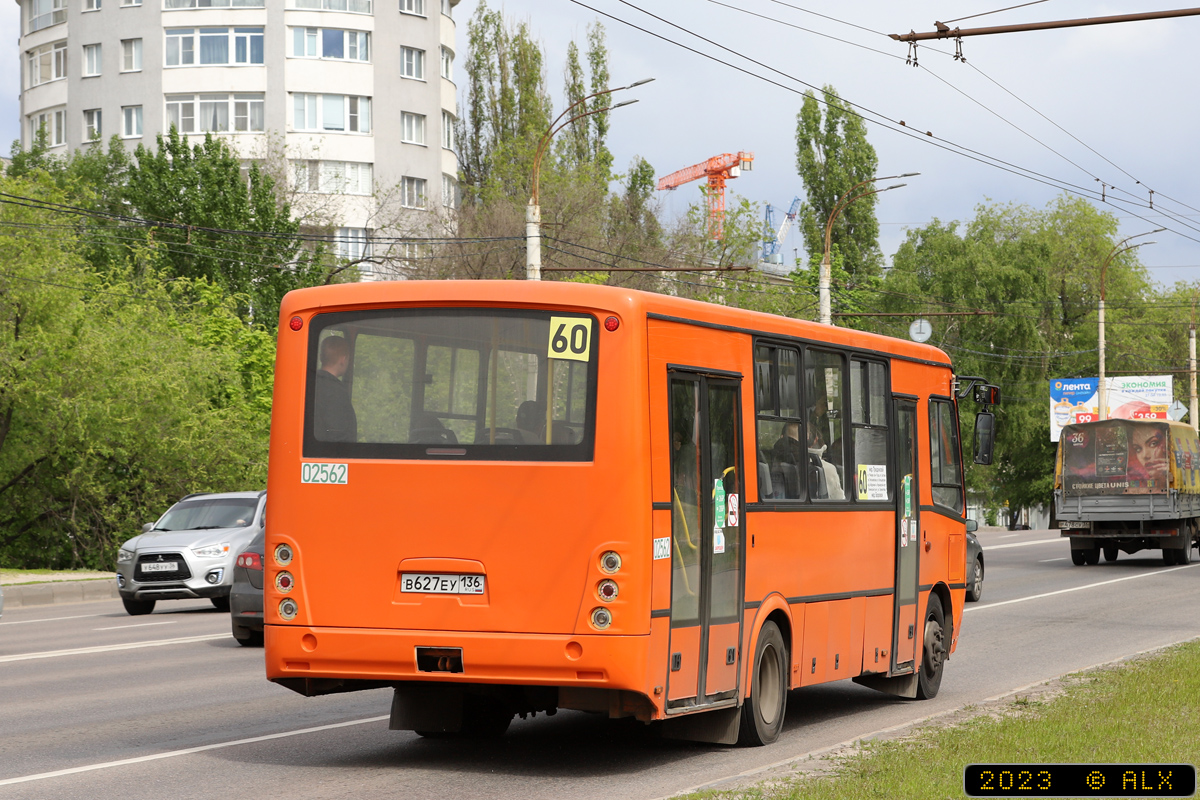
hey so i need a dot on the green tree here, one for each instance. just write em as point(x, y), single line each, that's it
point(584, 142)
point(832, 155)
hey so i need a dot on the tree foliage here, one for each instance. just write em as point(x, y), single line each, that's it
point(832, 156)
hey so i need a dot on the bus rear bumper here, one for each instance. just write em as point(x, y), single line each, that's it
point(371, 655)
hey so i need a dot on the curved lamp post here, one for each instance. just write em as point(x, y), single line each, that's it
point(533, 212)
point(1102, 412)
point(825, 278)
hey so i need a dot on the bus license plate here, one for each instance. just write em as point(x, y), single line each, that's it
point(426, 583)
point(160, 566)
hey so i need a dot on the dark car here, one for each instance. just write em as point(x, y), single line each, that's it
point(246, 594)
point(974, 568)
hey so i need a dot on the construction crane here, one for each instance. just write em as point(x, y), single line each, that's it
point(717, 169)
point(774, 238)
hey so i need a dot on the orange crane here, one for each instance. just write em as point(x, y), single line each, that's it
point(717, 169)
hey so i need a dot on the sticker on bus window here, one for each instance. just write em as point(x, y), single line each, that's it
point(731, 505)
point(325, 473)
point(570, 338)
point(662, 548)
point(872, 482)
point(718, 540)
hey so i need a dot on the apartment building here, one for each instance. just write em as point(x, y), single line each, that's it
point(361, 92)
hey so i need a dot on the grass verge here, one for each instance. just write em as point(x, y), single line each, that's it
point(20, 577)
point(1142, 711)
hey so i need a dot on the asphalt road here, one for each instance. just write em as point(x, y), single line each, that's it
point(95, 703)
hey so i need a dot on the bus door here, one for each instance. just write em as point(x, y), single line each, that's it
point(707, 498)
point(905, 636)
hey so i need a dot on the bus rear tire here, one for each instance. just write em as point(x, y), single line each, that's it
point(764, 710)
point(933, 650)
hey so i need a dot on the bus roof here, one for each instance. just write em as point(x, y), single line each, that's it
point(631, 302)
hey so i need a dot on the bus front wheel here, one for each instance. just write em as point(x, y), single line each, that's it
point(764, 711)
point(933, 650)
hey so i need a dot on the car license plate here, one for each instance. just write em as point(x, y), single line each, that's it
point(160, 566)
point(426, 583)
point(1072, 525)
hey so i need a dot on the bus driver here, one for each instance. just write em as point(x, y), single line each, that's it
point(333, 416)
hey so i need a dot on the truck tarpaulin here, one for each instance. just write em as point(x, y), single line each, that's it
point(1128, 457)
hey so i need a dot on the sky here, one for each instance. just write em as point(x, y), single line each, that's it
point(1080, 108)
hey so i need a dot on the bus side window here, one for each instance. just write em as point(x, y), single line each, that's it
point(780, 430)
point(824, 414)
point(945, 472)
point(869, 430)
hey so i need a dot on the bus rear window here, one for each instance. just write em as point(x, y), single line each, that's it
point(437, 383)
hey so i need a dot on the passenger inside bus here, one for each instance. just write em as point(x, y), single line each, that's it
point(823, 480)
point(531, 421)
point(333, 413)
point(787, 456)
point(428, 429)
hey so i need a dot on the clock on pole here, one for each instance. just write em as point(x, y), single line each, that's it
point(920, 330)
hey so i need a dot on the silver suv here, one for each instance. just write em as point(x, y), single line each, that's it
point(190, 551)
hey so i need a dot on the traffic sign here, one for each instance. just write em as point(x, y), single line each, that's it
point(1177, 411)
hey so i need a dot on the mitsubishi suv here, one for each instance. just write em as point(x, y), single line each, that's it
point(190, 551)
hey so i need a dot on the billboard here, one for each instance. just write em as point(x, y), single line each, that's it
point(1129, 457)
point(1129, 397)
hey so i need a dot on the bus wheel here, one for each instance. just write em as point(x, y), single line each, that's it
point(765, 708)
point(933, 651)
point(1078, 558)
point(1110, 553)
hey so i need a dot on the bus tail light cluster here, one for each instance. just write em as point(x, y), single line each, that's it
point(606, 590)
point(285, 581)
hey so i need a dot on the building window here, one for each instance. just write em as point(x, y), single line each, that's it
point(91, 60)
point(447, 130)
point(412, 128)
point(47, 63)
point(353, 243)
point(91, 5)
point(412, 63)
point(331, 112)
point(331, 43)
point(353, 6)
point(449, 191)
point(131, 2)
point(412, 192)
point(446, 8)
point(131, 56)
point(204, 113)
point(44, 13)
point(412, 7)
point(176, 4)
point(334, 177)
point(91, 124)
point(213, 46)
point(54, 123)
point(447, 63)
point(131, 121)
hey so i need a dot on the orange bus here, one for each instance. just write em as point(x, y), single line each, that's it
point(506, 498)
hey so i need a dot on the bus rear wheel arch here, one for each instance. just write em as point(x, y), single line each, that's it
point(766, 707)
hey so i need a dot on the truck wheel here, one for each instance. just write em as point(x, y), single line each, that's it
point(1078, 558)
point(1184, 554)
point(765, 708)
point(1092, 557)
point(1110, 553)
point(933, 650)
point(1169, 556)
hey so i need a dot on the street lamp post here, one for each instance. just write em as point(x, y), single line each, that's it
point(1102, 412)
point(533, 212)
point(825, 278)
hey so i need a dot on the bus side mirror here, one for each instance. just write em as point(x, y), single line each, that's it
point(972, 525)
point(985, 437)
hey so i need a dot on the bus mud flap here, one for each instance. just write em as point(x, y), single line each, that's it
point(900, 685)
point(717, 727)
point(427, 707)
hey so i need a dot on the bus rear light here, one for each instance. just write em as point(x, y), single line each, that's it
point(601, 618)
point(288, 609)
point(284, 582)
point(611, 324)
point(296, 323)
point(610, 562)
point(607, 590)
point(283, 554)
point(250, 561)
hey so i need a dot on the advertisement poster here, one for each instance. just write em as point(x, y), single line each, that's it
point(1075, 400)
point(1116, 457)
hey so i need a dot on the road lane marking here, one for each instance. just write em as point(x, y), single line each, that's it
point(1018, 544)
point(1079, 588)
point(52, 619)
point(1008, 536)
point(108, 647)
point(137, 625)
point(186, 751)
point(1048, 560)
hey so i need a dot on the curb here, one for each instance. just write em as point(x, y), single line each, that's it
point(55, 593)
